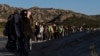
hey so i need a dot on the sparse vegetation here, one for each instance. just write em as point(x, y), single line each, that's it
point(2, 27)
point(81, 21)
point(67, 17)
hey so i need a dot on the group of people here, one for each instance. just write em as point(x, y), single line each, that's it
point(49, 31)
point(19, 32)
point(43, 31)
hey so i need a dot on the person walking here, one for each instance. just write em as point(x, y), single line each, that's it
point(11, 28)
point(24, 32)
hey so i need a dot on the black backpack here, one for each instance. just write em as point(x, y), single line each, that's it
point(9, 26)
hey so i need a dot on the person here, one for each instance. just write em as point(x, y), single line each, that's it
point(36, 31)
point(24, 32)
point(45, 33)
point(11, 43)
point(41, 31)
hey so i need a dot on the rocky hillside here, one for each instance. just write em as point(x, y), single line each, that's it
point(6, 10)
point(44, 14)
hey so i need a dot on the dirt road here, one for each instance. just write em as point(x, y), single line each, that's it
point(77, 44)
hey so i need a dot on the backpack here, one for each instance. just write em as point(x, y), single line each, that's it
point(60, 29)
point(51, 29)
point(8, 26)
point(6, 30)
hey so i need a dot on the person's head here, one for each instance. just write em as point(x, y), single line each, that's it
point(23, 13)
point(54, 24)
point(36, 23)
point(26, 13)
point(29, 14)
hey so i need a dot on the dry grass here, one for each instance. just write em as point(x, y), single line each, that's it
point(1, 31)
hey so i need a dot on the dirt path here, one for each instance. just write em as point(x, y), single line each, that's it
point(78, 44)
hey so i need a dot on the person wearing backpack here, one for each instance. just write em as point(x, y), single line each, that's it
point(51, 32)
point(59, 31)
point(10, 27)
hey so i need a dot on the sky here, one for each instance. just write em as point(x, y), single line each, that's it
point(89, 7)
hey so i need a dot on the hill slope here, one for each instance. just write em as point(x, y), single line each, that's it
point(46, 14)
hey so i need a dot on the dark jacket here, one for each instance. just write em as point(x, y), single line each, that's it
point(25, 27)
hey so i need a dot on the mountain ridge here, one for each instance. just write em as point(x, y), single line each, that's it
point(46, 14)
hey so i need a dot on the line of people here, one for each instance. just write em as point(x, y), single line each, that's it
point(44, 31)
point(20, 31)
point(51, 31)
